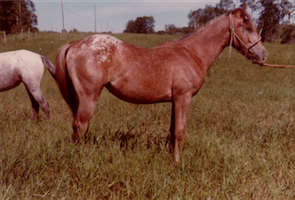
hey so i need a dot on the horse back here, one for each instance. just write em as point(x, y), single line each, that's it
point(18, 66)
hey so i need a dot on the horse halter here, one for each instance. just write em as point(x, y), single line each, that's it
point(234, 37)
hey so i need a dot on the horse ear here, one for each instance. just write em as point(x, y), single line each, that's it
point(240, 13)
point(243, 9)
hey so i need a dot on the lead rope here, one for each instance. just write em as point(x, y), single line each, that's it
point(277, 66)
point(231, 35)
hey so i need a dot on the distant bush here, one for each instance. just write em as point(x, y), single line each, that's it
point(288, 35)
point(74, 31)
point(143, 24)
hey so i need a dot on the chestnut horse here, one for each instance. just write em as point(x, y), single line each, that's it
point(171, 72)
point(27, 67)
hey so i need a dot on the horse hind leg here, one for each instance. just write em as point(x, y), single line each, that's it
point(86, 101)
point(37, 99)
point(81, 119)
point(35, 106)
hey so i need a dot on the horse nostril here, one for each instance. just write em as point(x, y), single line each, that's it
point(264, 57)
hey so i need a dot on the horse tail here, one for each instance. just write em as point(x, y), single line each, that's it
point(49, 66)
point(64, 81)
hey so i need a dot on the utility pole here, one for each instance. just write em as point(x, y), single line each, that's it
point(63, 20)
point(94, 18)
point(19, 19)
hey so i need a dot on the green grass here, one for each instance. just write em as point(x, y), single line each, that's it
point(239, 141)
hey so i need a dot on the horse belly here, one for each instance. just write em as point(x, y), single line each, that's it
point(8, 79)
point(139, 93)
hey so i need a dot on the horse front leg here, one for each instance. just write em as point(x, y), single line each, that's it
point(180, 108)
point(172, 127)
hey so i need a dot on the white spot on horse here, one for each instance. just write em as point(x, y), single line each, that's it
point(104, 44)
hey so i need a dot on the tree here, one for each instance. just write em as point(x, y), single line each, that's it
point(225, 5)
point(6, 19)
point(288, 8)
point(288, 29)
point(140, 25)
point(252, 4)
point(270, 17)
point(170, 29)
point(17, 15)
point(130, 27)
point(200, 17)
point(288, 34)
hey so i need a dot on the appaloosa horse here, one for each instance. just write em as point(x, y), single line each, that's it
point(172, 72)
point(27, 67)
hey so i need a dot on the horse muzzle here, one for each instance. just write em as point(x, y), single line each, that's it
point(257, 54)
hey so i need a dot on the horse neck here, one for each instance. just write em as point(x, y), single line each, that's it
point(209, 41)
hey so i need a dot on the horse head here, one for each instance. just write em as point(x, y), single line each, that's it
point(244, 37)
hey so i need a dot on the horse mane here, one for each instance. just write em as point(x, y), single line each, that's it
point(204, 26)
point(216, 19)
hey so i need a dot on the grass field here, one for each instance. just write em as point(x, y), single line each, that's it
point(239, 144)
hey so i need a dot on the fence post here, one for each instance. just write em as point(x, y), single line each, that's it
point(28, 32)
point(21, 34)
point(4, 37)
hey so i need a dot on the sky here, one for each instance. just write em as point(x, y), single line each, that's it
point(113, 15)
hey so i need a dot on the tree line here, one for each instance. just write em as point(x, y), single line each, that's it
point(274, 19)
point(17, 15)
